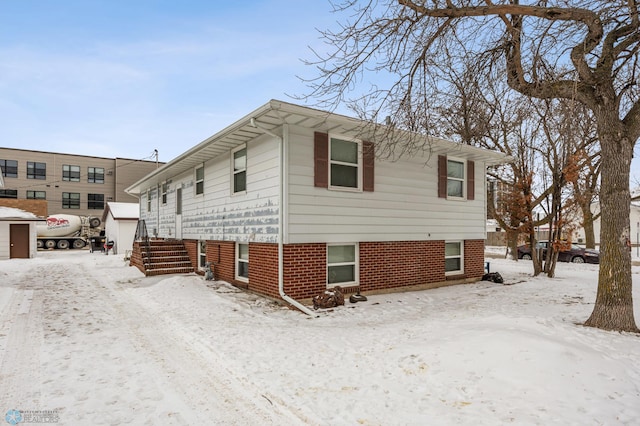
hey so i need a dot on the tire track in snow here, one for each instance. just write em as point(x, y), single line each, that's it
point(20, 366)
point(195, 370)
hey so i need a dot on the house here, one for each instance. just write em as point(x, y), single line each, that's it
point(120, 221)
point(18, 239)
point(634, 224)
point(290, 201)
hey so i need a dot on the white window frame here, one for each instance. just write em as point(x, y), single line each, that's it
point(198, 181)
point(359, 164)
point(202, 254)
point(234, 171)
point(164, 188)
point(463, 179)
point(355, 263)
point(238, 260)
point(461, 256)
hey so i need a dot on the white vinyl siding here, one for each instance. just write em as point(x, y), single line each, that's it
point(403, 207)
point(219, 213)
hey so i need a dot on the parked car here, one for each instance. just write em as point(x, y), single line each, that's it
point(575, 253)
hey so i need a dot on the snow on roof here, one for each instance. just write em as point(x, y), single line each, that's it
point(124, 210)
point(13, 213)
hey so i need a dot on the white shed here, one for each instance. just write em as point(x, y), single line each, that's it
point(120, 221)
point(18, 237)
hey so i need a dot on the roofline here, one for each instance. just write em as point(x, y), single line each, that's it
point(229, 129)
point(76, 155)
point(491, 157)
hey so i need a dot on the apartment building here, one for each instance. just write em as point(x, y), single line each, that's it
point(72, 184)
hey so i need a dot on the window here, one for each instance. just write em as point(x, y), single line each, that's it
point(342, 264)
point(165, 186)
point(202, 254)
point(95, 175)
point(344, 163)
point(242, 262)
point(36, 195)
point(453, 257)
point(71, 173)
point(178, 200)
point(95, 201)
point(8, 193)
point(9, 168)
point(148, 200)
point(70, 200)
point(455, 178)
point(200, 180)
point(36, 170)
point(240, 170)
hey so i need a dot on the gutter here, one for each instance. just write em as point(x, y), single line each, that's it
point(283, 141)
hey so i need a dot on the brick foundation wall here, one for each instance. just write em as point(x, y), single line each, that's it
point(263, 269)
point(222, 254)
point(305, 269)
point(192, 248)
point(474, 258)
point(385, 265)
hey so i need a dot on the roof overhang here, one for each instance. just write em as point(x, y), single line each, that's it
point(270, 117)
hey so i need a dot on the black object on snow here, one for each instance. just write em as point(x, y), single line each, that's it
point(493, 276)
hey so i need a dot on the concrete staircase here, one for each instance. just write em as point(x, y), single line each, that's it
point(160, 257)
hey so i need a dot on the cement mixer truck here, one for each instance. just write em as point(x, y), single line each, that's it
point(63, 231)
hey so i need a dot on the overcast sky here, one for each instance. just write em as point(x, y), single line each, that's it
point(120, 78)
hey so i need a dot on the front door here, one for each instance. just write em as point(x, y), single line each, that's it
point(179, 213)
point(19, 241)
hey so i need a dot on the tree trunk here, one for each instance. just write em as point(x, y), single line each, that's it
point(589, 233)
point(613, 309)
point(512, 243)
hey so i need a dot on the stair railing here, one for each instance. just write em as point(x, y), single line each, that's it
point(142, 236)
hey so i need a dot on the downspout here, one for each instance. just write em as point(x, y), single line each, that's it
point(283, 142)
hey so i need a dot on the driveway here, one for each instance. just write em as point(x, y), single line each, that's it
point(77, 347)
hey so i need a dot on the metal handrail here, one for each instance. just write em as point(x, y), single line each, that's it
point(142, 236)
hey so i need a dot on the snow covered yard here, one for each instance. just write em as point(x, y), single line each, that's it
point(94, 342)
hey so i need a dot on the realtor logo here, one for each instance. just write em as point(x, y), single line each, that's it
point(13, 417)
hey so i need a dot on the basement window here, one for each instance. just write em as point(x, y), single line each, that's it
point(202, 254)
point(453, 258)
point(242, 262)
point(342, 264)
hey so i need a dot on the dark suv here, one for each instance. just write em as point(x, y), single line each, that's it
point(575, 254)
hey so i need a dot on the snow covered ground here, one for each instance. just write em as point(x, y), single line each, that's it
point(91, 341)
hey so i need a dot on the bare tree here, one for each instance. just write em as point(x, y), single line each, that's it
point(410, 41)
